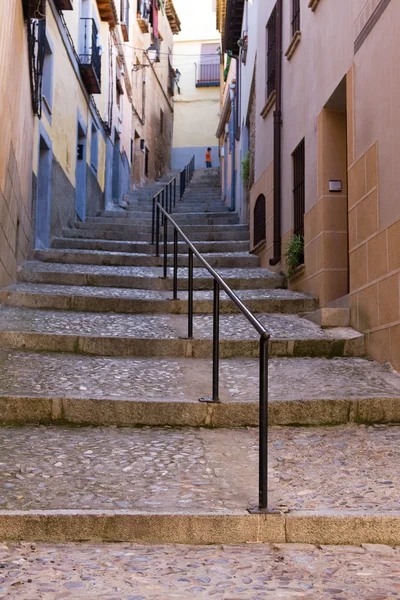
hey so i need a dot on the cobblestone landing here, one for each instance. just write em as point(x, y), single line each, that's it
point(161, 326)
point(247, 572)
point(198, 470)
point(75, 376)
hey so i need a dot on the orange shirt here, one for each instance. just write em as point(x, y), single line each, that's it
point(208, 156)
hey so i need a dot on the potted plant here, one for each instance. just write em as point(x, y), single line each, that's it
point(246, 168)
point(294, 254)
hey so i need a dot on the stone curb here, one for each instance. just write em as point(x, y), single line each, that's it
point(318, 528)
point(178, 347)
point(136, 413)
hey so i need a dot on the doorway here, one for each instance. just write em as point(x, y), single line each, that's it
point(332, 161)
point(43, 193)
point(116, 168)
point(81, 172)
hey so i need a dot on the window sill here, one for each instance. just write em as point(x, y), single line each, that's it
point(269, 104)
point(299, 272)
point(293, 45)
point(313, 4)
point(259, 247)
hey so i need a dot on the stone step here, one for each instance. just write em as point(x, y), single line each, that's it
point(131, 228)
point(150, 278)
point(165, 335)
point(95, 257)
point(144, 247)
point(181, 219)
point(195, 486)
point(120, 300)
point(103, 391)
point(196, 209)
point(137, 234)
point(192, 571)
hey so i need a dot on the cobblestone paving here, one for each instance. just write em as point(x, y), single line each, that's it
point(71, 375)
point(160, 326)
point(146, 271)
point(250, 572)
point(198, 470)
point(109, 292)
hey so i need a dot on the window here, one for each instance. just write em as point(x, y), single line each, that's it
point(47, 81)
point(146, 162)
point(94, 148)
point(259, 221)
point(208, 71)
point(295, 16)
point(298, 188)
point(161, 121)
point(271, 53)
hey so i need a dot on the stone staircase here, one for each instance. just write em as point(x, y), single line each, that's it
point(90, 337)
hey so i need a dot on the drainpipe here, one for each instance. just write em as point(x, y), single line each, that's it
point(278, 140)
point(233, 117)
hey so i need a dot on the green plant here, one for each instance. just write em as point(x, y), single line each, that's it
point(246, 167)
point(294, 254)
point(226, 70)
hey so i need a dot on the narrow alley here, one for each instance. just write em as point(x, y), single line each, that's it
point(195, 399)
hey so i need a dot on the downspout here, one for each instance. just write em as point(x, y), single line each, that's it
point(278, 140)
point(233, 173)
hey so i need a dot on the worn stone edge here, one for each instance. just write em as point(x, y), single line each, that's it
point(19, 409)
point(319, 527)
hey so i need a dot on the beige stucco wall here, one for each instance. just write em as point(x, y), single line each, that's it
point(368, 213)
point(68, 98)
point(149, 95)
point(16, 141)
point(196, 108)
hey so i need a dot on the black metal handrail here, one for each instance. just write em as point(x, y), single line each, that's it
point(219, 284)
point(167, 197)
point(186, 176)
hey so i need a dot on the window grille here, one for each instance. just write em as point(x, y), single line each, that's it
point(295, 16)
point(299, 188)
point(271, 53)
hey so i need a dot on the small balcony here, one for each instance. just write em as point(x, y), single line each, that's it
point(208, 75)
point(64, 4)
point(142, 16)
point(89, 56)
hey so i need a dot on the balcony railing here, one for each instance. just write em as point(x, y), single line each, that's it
point(89, 56)
point(208, 75)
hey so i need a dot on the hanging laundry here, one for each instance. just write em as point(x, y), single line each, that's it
point(155, 18)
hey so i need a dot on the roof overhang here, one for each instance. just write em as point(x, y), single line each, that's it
point(233, 25)
point(108, 12)
point(172, 16)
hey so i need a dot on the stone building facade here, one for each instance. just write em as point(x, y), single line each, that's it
point(17, 124)
point(326, 150)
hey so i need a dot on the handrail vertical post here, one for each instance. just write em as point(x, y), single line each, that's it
point(175, 293)
point(174, 192)
point(157, 231)
point(263, 431)
point(163, 205)
point(165, 247)
point(215, 381)
point(190, 295)
point(153, 216)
